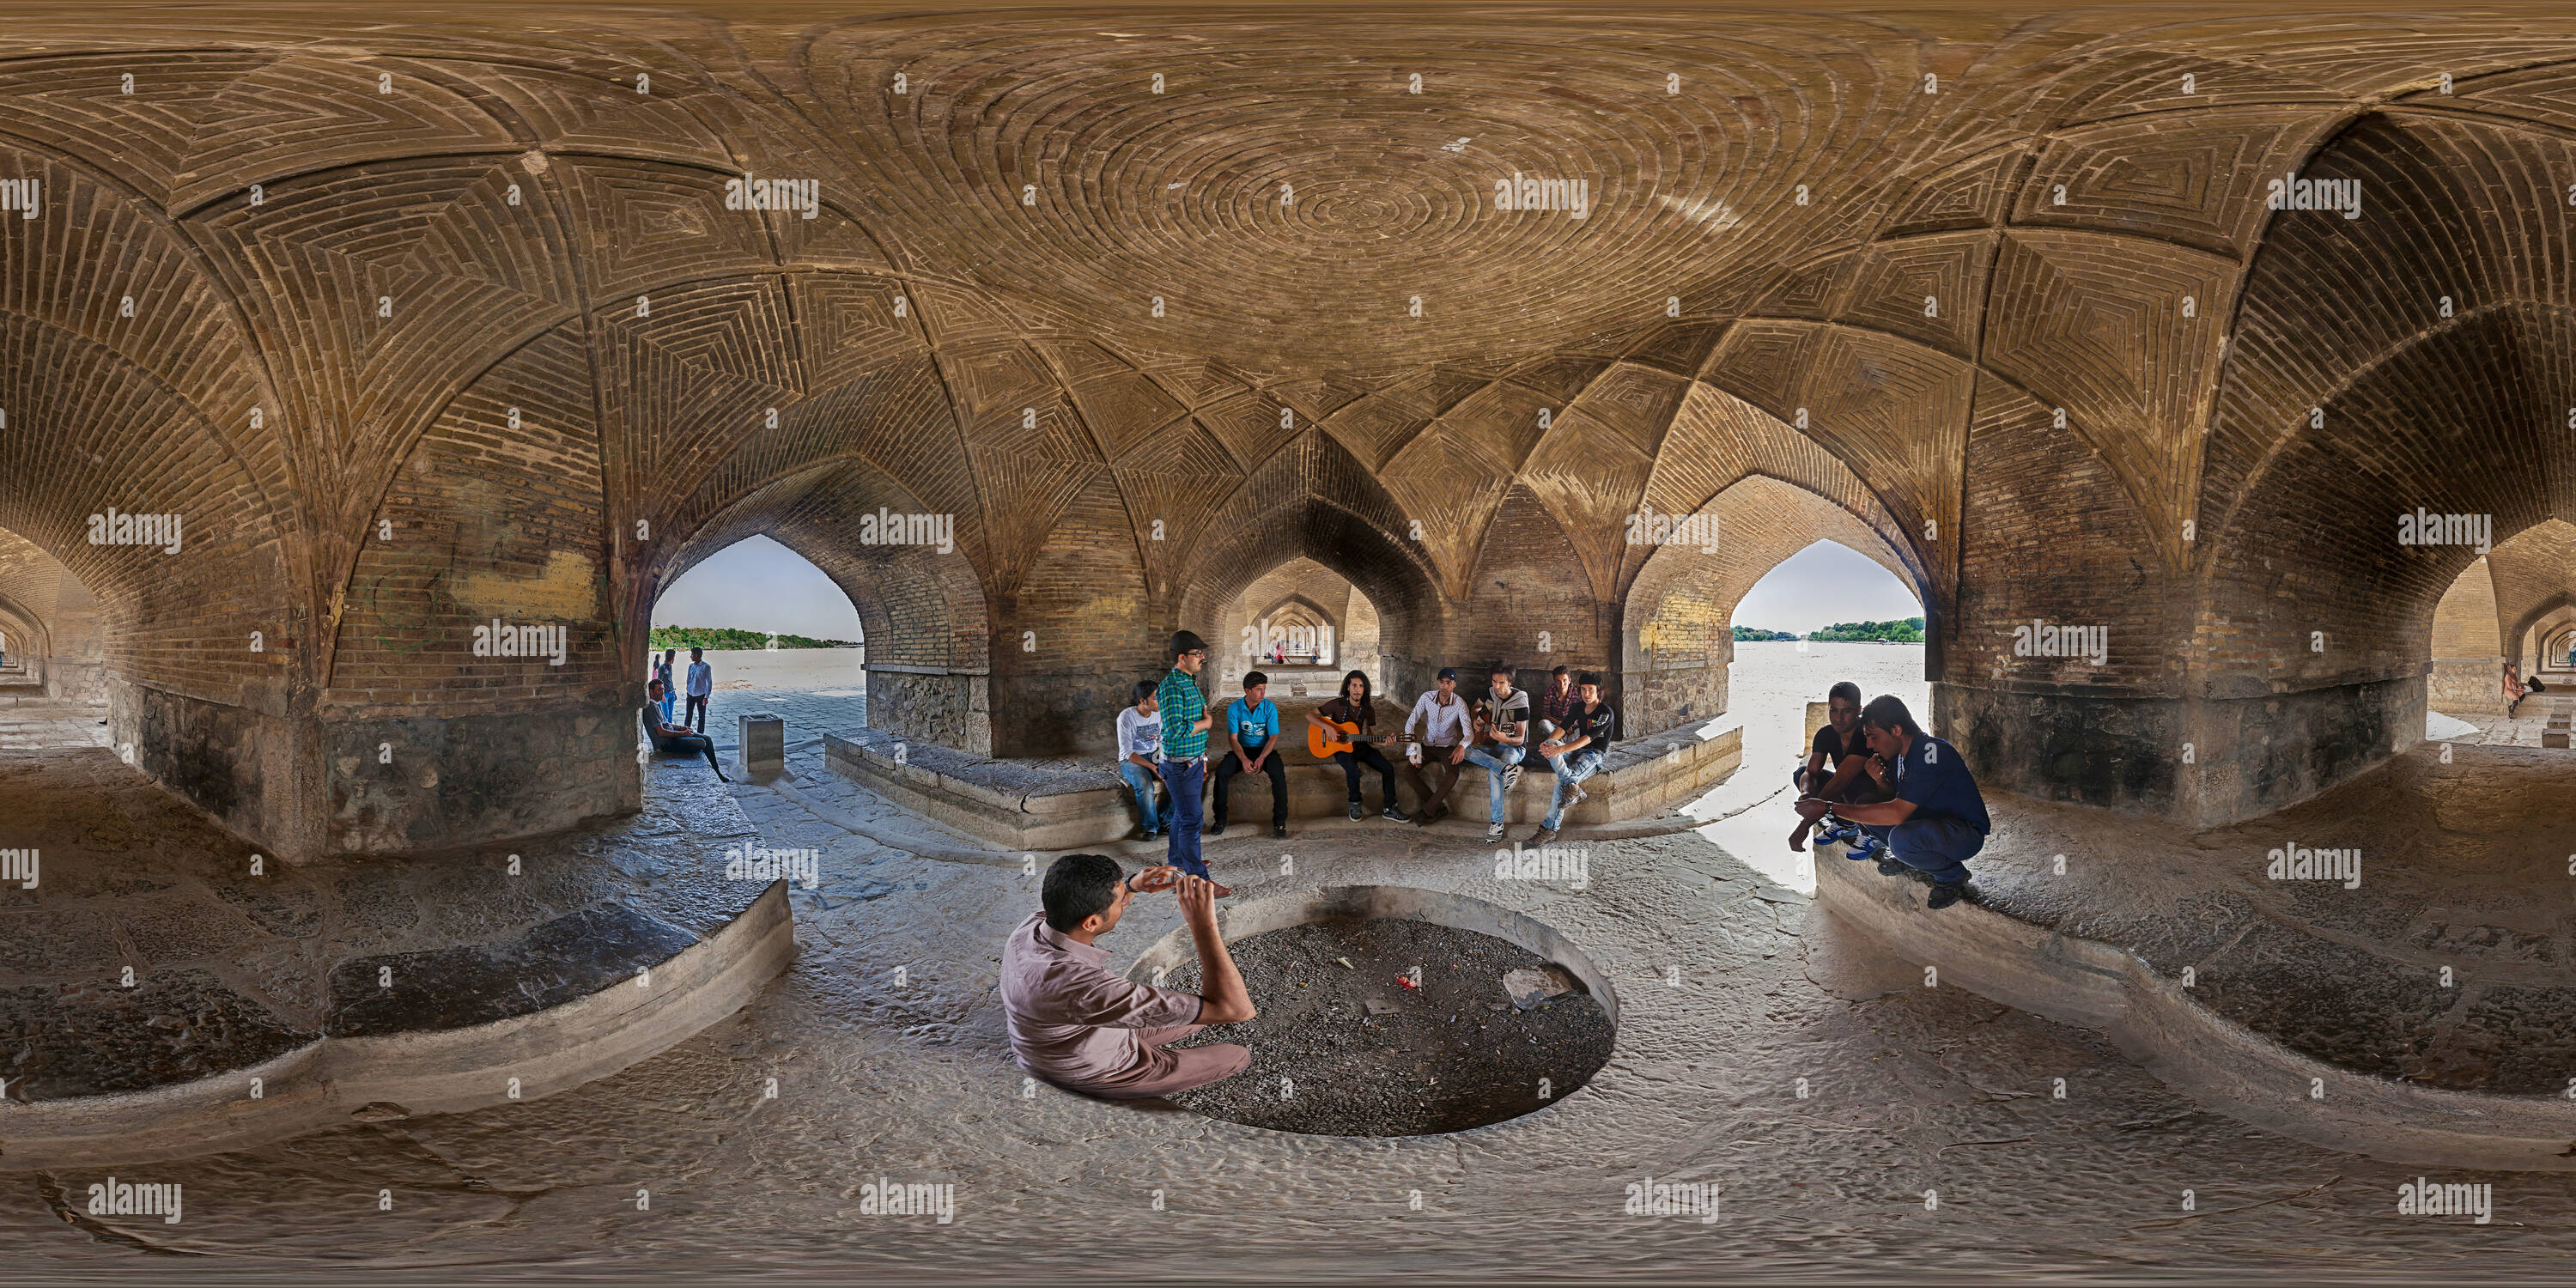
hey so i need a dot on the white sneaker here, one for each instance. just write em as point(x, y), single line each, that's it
point(1494, 833)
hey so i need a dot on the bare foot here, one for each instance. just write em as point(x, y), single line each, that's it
point(1220, 891)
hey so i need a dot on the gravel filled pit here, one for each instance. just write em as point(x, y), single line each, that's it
point(1449, 1055)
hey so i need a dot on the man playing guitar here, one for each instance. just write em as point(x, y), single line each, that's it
point(1340, 729)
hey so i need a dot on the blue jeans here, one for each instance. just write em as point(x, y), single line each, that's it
point(1184, 779)
point(1494, 762)
point(1142, 782)
point(1570, 770)
point(1939, 847)
point(667, 701)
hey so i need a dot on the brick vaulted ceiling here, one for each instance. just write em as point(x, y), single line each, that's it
point(342, 229)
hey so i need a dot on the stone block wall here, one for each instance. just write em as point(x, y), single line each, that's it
point(952, 710)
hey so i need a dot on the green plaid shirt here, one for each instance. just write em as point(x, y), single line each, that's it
point(1181, 706)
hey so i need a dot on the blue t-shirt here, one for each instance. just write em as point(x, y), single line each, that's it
point(1252, 726)
point(1935, 778)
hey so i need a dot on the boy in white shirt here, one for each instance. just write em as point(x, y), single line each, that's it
point(1140, 744)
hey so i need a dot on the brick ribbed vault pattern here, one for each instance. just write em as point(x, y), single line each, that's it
point(432, 321)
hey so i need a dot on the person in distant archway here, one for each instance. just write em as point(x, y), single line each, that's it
point(1937, 821)
point(2512, 689)
point(1837, 760)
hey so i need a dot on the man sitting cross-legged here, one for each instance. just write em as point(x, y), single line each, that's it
point(1077, 1024)
point(1937, 820)
point(1837, 761)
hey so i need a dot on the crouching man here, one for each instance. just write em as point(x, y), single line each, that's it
point(1075, 1023)
point(1938, 819)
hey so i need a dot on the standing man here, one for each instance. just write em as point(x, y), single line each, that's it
point(1575, 751)
point(1185, 735)
point(1505, 726)
point(1938, 819)
point(1077, 1024)
point(1252, 725)
point(702, 681)
point(1437, 734)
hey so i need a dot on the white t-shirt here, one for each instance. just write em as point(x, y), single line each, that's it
point(1139, 734)
point(702, 677)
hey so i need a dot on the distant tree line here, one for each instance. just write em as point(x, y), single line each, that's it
point(729, 637)
point(1908, 631)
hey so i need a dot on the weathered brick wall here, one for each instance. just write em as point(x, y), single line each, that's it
point(1531, 603)
point(2050, 535)
point(1076, 636)
point(2467, 676)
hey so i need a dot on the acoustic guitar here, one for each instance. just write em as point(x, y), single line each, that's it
point(1324, 744)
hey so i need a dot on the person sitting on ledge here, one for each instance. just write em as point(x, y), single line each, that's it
point(676, 738)
point(1077, 1024)
point(1937, 820)
point(2512, 690)
point(1140, 738)
point(1575, 752)
point(1836, 760)
point(1358, 706)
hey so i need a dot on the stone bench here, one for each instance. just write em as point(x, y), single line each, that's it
point(1023, 807)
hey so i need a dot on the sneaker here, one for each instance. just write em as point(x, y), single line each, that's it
point(1577, 798)
point(1147, 835)
point(1355, 811)
point(1395, 815)
point(1511, 776)
point(1543, 836)
point(1214, 829)
point(1945, 893)
point(1494, 833)
point(1890, 868)
point(1279, 831)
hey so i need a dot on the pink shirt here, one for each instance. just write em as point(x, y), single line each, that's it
point(1071, 1020)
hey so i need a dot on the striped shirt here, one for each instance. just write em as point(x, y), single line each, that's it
point(1182, 705)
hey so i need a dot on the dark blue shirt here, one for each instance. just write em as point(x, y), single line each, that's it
point(1935, 778)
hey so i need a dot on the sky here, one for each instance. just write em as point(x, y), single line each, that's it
point(1821, 585)
point(757, 584)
